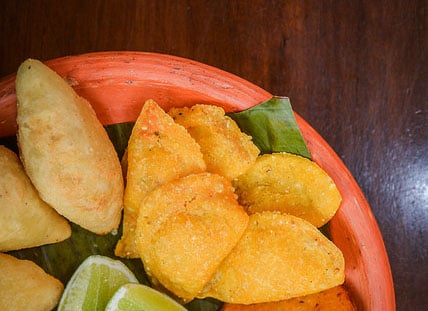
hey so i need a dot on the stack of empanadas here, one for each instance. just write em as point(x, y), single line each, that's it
point(189, 228)
point(207, 215)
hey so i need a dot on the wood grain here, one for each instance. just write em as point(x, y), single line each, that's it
point(355, 70)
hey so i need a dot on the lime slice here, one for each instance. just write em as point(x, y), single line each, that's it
point(94, 283)
point(138, 297)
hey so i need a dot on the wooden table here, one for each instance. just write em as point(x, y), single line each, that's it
point(355, 70)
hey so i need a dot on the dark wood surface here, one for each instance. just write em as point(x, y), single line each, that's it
point(355, 70)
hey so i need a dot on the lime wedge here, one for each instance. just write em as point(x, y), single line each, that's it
point(138, 297)
point(94, 283)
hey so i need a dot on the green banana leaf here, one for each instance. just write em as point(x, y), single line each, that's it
point(273, 128)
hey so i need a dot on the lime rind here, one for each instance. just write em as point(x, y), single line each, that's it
point(94, 283)
point(138, 297)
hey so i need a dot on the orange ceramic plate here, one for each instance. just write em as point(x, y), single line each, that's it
point(117, 83)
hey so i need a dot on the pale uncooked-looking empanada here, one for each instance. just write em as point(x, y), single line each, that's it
point(25, 220)
point(66, 151)
point(25, 286)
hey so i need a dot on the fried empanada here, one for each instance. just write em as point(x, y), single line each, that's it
point(186, 228)
point(333, 299)
point(159, 150)
point(227, 151)
point(289, 184)
point(66, 151)
point(25, 220)
point(25, 286)
point(279, 257)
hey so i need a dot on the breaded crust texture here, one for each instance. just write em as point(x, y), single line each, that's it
point(186, 228)
point(159, 150)
point(227, 150)
point(279, 256)
point(290, 184)
point(334, 299)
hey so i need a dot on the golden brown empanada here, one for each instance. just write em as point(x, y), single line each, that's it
point(159, 150)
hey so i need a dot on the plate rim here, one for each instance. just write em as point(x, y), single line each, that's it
point(243, 94)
